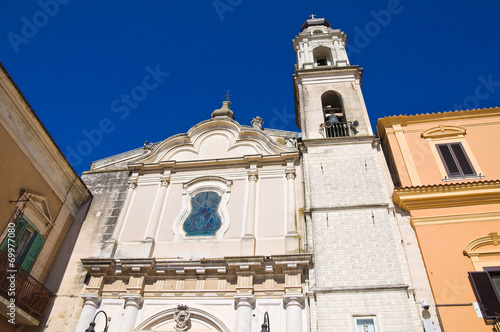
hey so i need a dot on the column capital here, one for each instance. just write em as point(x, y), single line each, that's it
point(92, 299)
point(164, 181)
point(134, 300)
point(246, 300)
point(253, 175)
point(290, 173)
point(293, 299)
point(132, 183)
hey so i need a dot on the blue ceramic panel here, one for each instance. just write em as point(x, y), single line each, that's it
point(204, 219)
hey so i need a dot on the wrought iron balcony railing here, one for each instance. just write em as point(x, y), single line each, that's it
point(338, 129)
point(18, 284)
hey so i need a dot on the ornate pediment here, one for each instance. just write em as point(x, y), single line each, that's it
point(444, 131)
point(214, 139)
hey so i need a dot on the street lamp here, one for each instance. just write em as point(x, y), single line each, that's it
point(92, 323)
point(266, 327)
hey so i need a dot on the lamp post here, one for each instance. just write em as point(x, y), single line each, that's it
point(92, 323)
point(266, 327)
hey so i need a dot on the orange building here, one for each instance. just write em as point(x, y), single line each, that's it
point(446, 169)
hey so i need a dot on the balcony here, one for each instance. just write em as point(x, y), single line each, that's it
point(31, 297)
point(338, 129)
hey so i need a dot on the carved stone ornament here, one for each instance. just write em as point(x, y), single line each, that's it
point(290, 142)
point(257, 122)
point(132, 183)
point(181, 317)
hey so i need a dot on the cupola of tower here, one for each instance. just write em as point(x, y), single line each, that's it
point(318, 45)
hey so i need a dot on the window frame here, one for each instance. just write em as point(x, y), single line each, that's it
point(451, 138)
point(28, 255)
point(216, 184)
point(368, 317)
point(459, 166)
point(482, 284)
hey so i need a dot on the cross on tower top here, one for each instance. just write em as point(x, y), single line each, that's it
point(228, 96)
point(312, 16)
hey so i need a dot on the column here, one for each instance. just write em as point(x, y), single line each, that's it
point(88, 311)
point(132, 185)
point(292, 238)
point(147, 245)
point(290, 189)
point(252, 190)
point(132, 305)
point(109, 247)
point(248, 241)
point(308, 62)
point(155, 219)
point(244, 308)
point(293, 307)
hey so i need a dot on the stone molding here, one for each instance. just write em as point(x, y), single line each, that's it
point(471, 249)
point(144, 271)
point(447, 195)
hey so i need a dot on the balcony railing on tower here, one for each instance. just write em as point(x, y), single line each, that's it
point(338, 129)
point(18, 284)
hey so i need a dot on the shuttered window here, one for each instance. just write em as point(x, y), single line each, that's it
point(486, 294)
point(27, 243)
point(455, 160)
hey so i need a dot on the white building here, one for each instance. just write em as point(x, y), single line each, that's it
point(209, 230)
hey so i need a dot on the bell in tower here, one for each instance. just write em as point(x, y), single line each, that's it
point(328, 98)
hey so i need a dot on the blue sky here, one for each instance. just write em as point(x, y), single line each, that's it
point(77, 61)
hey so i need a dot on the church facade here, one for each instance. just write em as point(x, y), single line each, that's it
point(236, 228)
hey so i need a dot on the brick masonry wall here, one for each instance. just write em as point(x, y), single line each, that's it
point(354, 235)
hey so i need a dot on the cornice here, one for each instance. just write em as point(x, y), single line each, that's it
point(445, 116)
point(306, 143)
point(455, 218)
point(447, 195)
point(160, 267)
point(207, 163)
point(34, 140)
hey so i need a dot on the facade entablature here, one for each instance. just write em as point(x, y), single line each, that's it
point(447, 195)
point(258, 265)
point(278, 275)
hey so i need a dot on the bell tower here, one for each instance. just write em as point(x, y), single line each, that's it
point(360, 279)
point(328, 98)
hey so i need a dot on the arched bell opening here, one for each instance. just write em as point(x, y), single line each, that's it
point(335, 122)
point(322, 56)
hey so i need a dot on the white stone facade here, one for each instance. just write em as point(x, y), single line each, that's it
point(308, 232)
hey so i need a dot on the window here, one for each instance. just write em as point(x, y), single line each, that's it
point(365, 324)
point(455, 160)
point(204, 219)
point(486, 286)
point(27, 243)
